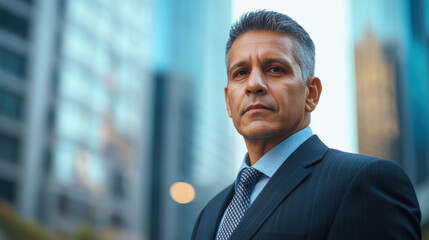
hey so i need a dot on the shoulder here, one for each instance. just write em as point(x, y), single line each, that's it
point(378, 195)
point(333, 158)
point(357, 169)
point(335, 154)
point(359, 162)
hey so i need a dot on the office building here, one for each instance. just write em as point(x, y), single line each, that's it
point(73, 105)
point(193, 136)
point(392, 83)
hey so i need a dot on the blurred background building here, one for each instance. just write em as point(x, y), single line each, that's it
point(192, 136)
point(104, 106)
point(73, 104)
point(112, 114)
point(392, 85)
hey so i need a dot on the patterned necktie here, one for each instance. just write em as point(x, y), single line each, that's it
point(239, 203)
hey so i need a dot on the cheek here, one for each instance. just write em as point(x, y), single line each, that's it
point(293, 101)
point(234, 102)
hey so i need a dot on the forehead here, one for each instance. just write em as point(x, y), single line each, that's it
point(260, 45)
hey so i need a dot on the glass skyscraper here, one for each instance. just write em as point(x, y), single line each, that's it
point(105, 105)
point(74, 112)
point(16, 44)
point(192, 134)
point(100, 125)
point(392, 85)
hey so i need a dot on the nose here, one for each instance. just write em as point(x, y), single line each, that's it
point(256, 83)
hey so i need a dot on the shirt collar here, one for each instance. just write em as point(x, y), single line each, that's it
point(271, 161)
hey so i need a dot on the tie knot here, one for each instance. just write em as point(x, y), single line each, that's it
point(249, 177)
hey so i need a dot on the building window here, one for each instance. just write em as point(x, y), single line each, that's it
point(47, 162)
point(9, 148)
point(13, 63)
point(10, 105)
point(30, 2)
point(7, 190)
point(63, 205)
point(118, 185)
point(13, 24)
point(117, 221)
point(51, 118)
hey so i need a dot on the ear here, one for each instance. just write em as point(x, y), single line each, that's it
point(314, 89)
point(227, 101)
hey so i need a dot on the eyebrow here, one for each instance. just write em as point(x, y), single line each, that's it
point(236, 65)
point(264, 62)
point(284, 62)
point(276, 60)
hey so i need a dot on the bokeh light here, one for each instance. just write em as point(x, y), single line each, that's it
point(182, 192)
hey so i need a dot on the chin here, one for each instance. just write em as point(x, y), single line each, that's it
point(259, 131)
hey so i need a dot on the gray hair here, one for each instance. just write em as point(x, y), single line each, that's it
point(260, 20)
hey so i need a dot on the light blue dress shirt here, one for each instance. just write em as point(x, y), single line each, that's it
point(271, 161)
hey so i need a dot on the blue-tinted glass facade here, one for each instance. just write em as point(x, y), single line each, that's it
point(13, 23)
point(9, 148)
point(93, 134)
point(192, 134)
point(15, 35)
point(391, 37)
point(13, 63)
point(11, 104)
point(101, 75)
point(405, 48)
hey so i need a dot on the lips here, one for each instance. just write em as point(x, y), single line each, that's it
point(256, 107)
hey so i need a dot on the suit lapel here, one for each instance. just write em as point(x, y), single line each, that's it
point(213, 213)
point(292, 172)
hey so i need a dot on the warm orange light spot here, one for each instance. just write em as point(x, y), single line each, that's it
point(182, 192)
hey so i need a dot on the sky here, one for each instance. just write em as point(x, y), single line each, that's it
point(329, 24)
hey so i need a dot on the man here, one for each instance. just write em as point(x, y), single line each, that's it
point(290, 185)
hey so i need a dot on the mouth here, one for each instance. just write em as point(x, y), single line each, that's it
point(256, 107)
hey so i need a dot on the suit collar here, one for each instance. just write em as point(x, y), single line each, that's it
point(271, 161)
point(292, 172)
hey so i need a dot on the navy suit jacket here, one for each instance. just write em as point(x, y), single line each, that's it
point(322, 193)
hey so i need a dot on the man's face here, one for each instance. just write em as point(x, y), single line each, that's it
point(266, 96)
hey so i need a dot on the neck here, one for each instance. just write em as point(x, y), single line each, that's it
point(258, 147)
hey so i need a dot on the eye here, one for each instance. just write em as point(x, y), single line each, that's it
point(275, 70)
point(240, 73)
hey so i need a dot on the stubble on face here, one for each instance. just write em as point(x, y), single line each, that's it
point(264, 76)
